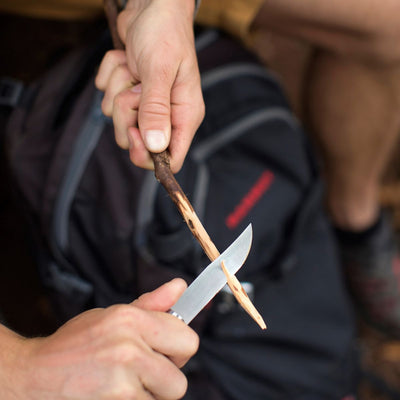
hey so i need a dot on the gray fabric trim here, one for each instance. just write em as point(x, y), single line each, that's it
point(197, 6)
point(201, 190)
point(205, 149)
point(85, 144)
point(206, 38)
point(235, 70)
point(145, 206)
point(66, 282)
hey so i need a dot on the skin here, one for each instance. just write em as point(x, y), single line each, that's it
point(338, 54)
point(344, 81)
point(131, 351)
point(152, 90)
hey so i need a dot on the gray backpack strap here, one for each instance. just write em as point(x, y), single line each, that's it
point(86, 142)
point(84, 146)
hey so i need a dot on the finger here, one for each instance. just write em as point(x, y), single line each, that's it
point(132, 334)
point(173, 338)
point(162, 378)
point(179, 342)
point(138, 153)
point(125, 114)
point(186, 119)
point(163, 298)
point(187, 113)
point(169, 336)
point(123, 382)
point(119, 80)
point(110, 61)
point(155, 108)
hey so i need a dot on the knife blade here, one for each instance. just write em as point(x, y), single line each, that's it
point(212, 279)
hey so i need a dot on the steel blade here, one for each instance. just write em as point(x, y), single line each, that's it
point(212, 279)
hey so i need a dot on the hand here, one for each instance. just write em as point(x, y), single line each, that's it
point(121, 352)
point(153, 90)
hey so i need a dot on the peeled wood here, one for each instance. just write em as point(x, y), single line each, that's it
point(242, 297)
point(164, 175)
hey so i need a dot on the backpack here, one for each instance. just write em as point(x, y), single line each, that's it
point(105, 231)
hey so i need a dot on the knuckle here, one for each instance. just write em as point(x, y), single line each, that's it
point(122, 141)
point(120, 100)
point(113, 57)
point(125, 312)
point(156, 108)
point(105, 107)
point(194, 342)
point(122, 72)
point(123, 317)
point(109, 56)
point(128, 353)
point(124, 392)
point(124, 355)
point(123, 101)
point(201, 110)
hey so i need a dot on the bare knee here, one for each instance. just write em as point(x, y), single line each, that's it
point(368, 31)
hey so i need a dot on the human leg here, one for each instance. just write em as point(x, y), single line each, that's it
point(353, 110)
point(352, 97)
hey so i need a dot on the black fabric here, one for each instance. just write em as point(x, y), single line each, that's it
point(106, 231)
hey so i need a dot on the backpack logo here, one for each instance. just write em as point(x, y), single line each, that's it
point(250, 200)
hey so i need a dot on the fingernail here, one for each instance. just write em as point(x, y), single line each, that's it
point(155, 141)
point(137, 88)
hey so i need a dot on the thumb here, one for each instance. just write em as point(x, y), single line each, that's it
point(154, 117)
point(163, 298)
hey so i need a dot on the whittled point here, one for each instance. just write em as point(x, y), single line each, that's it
point(242, 297)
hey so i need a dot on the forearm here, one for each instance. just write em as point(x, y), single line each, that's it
point(133, 7)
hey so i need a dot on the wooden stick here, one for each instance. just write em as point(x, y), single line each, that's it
point(111, 10)
point(242, 297)
point(165, 176)
point(161, 161)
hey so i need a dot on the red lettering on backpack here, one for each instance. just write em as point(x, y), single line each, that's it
point(249, 200)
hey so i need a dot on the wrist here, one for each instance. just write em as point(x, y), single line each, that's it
point(12, 362)
point(135, 7)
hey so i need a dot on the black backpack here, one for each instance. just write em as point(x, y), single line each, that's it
point(105, 231)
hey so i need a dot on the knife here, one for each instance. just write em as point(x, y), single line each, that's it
point(212, 279)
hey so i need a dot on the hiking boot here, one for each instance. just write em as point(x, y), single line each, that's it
point(371, 264)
